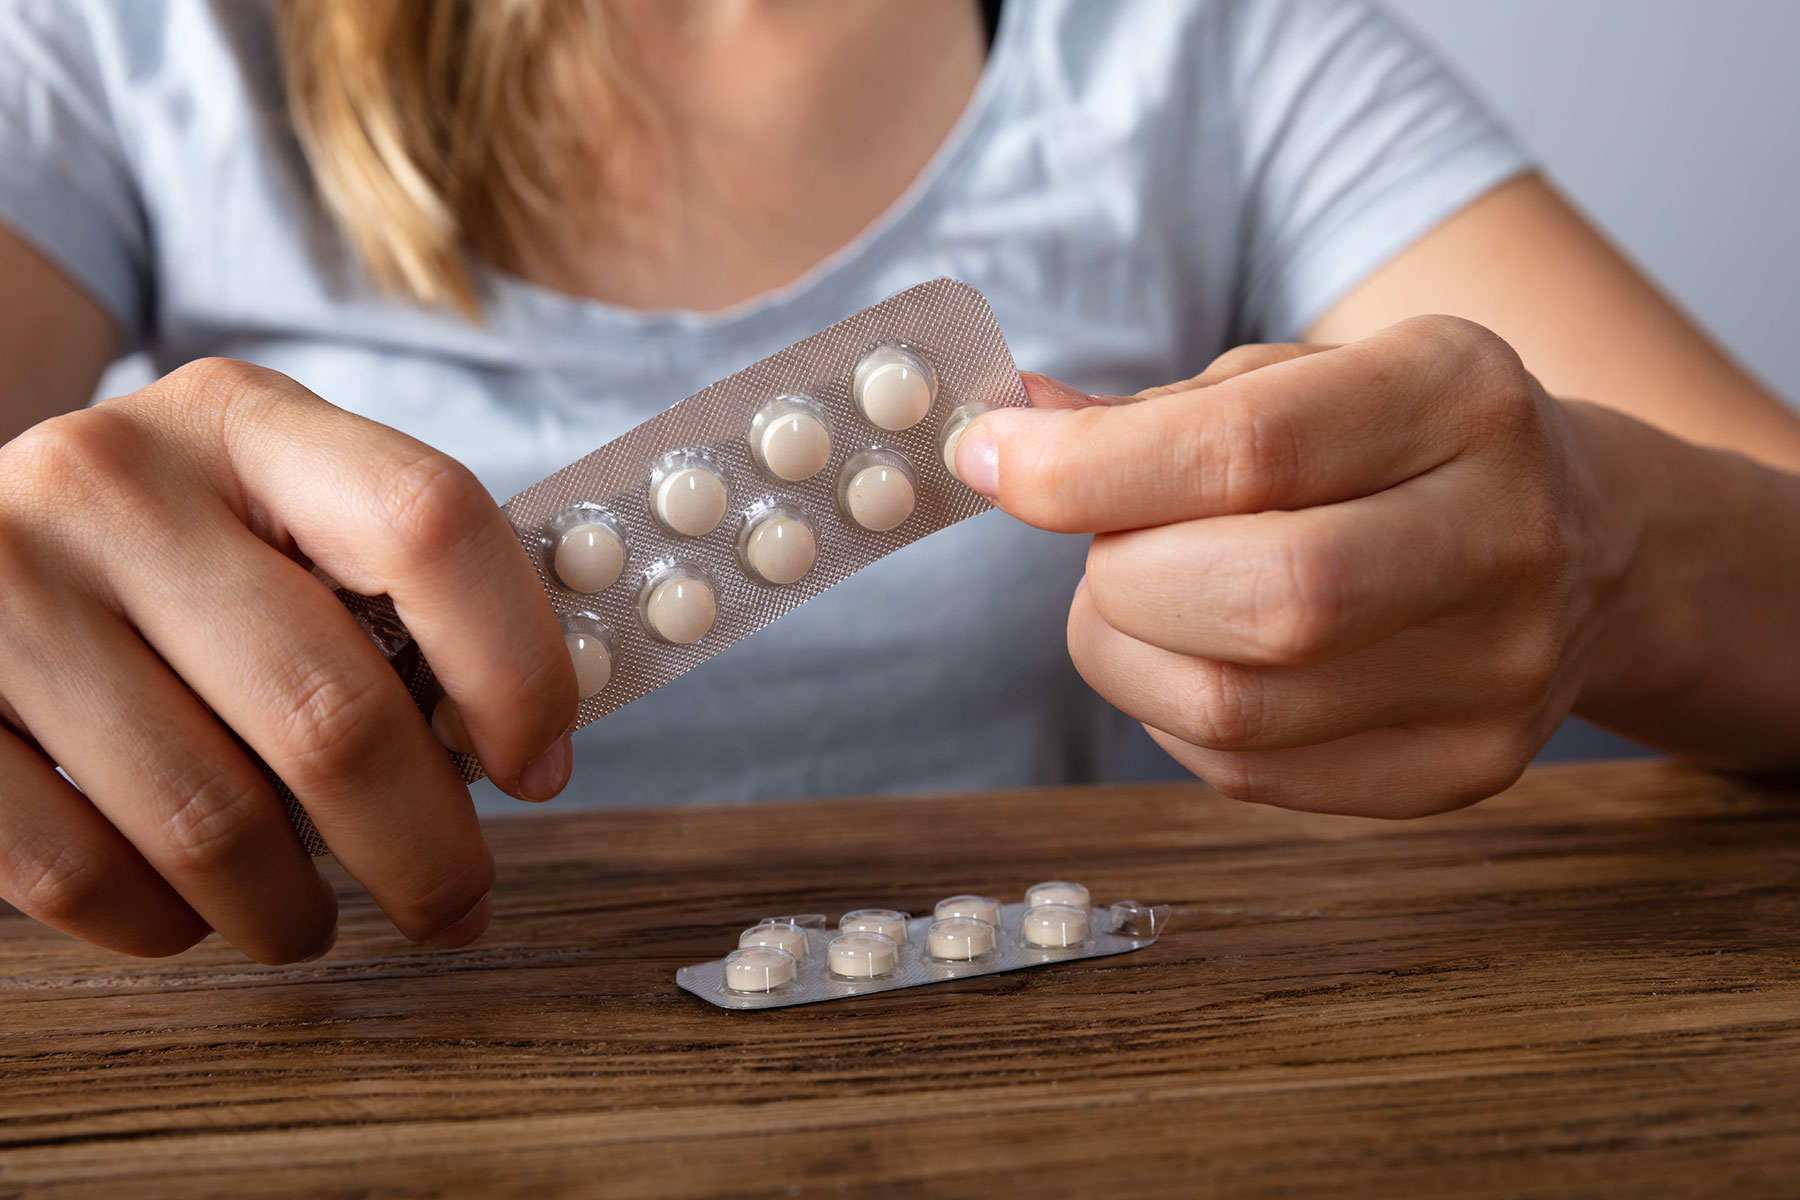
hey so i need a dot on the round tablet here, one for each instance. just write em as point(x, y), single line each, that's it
point(879, 497)
point(893, 387)
point(588, 557)
point(680, 608)
point(875, 920)
point(794, 446)
point(780, 548)
point(959, 939)
point(980, 908)
point(690, 500)
point(758, 969)
point(447, 725)
point(1055, 925)
point(592, 658)
point(862, 955)
point(1057, 891)
point(787, 937)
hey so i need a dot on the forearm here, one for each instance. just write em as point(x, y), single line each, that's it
point(55, 341)
point(1696, 643)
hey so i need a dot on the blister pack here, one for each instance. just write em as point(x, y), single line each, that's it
point(781, 961)
point(741, 502)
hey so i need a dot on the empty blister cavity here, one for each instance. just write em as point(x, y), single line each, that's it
point(778, 544)
point(586, 548)
point(980, 908)
point(759, 969)
point(1054, 925)
point(887, 921)
point(862, 955)
point(688, 494)
point(590, 650)
point(877, 491)
point(678, 604)
point(790, 438)
point(950, 437)
point(783, 935)
point(1057, 891)
point(959, 939)
point(893, 386)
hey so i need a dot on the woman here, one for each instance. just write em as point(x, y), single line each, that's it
point(1367, 579)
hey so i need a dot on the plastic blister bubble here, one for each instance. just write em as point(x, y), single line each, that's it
point(647, 546)
point(879, 950)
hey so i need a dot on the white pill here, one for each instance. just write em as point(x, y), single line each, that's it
point(959, 939)
point(795, 446)
point(780, 548)
point(1055, 925)
point(758, 969)
point(879, 497)
point(893, 387)
point(690, 500)
point(981, 908)
point(787, 937)
point(875, 920)
point(862, 955)
point(592, 658)
point(447, 724)
point(952, 440)
point(1057, 891)
point(681, 609)
point(588, 557)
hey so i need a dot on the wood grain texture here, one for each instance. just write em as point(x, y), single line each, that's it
point(1586, 986)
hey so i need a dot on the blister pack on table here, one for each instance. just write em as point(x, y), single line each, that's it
point(782, 961)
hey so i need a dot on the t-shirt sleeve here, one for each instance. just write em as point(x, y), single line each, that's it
point(1354, 143)
point(66, 181)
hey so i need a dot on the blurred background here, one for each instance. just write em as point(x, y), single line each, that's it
point(1675, 125)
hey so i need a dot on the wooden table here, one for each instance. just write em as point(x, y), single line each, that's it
point(1587, 986)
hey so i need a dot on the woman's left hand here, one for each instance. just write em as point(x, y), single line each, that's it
point(1362, 579)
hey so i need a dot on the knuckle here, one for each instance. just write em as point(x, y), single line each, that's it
point(336, 727)
point(77, 459)
point(1494, 762)
point(1237, 777)
point(1302, 603)
point(1222, 707)
point(1253, 454)
point(65, 887)
point(430, 505)
point(436, 903)
point(221, 380)
point(219, 815)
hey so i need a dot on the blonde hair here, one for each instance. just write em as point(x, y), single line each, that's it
point(442, 131)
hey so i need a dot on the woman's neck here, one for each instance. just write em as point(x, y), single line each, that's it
point(776, 131)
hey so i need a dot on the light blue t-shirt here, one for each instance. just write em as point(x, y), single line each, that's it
point(1135, 186)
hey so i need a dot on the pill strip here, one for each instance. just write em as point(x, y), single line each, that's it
point(783, 961)
point(690, 575)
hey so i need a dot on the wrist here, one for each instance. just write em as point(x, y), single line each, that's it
point(1691, 576)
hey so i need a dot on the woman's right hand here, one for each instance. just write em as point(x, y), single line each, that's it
point(152, 580)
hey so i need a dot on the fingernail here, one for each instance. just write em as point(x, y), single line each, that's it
point(467, 927)
point(322, 951)
point(1046, 392)
point(978, 461)
point(548, 773)
point(1081, 583)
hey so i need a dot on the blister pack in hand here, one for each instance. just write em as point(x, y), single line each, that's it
point(733, 507)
